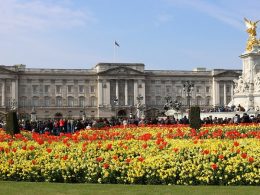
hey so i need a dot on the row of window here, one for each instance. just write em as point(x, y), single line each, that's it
point(198, 100)
point(179, 89)
point(58, 89)
point(59, 102)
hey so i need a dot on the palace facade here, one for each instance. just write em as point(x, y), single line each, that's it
point(109, 89)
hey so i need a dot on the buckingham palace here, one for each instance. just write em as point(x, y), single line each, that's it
point(109, 89)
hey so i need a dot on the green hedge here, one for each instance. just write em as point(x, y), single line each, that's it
point(194, 117)
point(12, 126)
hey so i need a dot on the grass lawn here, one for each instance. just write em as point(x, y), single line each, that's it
point(25, 188)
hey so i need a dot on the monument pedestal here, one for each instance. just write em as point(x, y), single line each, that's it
point(247, 87)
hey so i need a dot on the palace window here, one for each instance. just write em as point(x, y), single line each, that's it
point(168, 89)
point(46, 101)
point(158, 100)
point(158, 89)
point(199, 101)
point(179, 90)
point(81, 88)
point(81, 101)
point(35, 89)
point(58, 88)
point(22, 101)
point(8, 89)
point(198, 89)
point(93, 101)
point(70, 101)
point(58, 101)
point(47, 88)
point(70, 88)
point(92, 89)
point(22, 89)
point(227, 89)
point(208, 99)
point(35, 101)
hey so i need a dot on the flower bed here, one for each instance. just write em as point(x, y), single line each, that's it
point(222, 155)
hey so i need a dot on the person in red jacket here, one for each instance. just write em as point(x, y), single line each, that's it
point(62, 123)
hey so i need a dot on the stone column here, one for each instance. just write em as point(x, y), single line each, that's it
point(143, 91)
point(135, 91)
point(225, 94)
point(215, 92)
point(107, 95)
point(232, 91)
point(100, 93)
point(14, 90)
point(126, 92)
point(3, 93)
point(117, 91)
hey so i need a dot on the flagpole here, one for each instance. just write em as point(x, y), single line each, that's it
point(114, 59)
point(115, 45)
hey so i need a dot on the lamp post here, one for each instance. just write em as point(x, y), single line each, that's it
point(168, 104)
point(33, 115)
point(116, 104)
point(139, 106)
point(188, 87)
point(13, 105)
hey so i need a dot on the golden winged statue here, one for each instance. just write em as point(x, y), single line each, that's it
point(251, 30)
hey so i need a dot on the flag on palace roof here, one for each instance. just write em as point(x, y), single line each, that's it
point(116, 43)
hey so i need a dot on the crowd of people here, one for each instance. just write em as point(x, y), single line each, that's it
point(57, 126)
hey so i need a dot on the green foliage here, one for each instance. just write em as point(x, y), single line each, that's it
point(99, 125)
point(194, 117)
point(12, 126)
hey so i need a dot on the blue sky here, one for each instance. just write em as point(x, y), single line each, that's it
point(162, 34)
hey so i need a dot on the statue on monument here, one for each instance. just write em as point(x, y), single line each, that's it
point(251, 30)
point(240, 85)
point(257, 82)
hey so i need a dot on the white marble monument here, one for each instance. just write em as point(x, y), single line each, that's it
point(247, 86)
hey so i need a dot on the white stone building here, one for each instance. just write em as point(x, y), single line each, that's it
point(77, 93)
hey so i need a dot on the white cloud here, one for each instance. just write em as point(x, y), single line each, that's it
point(163, 18)
point(229, 12)
point(40, 15)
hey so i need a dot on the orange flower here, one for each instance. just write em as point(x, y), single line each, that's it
point(221, 156)
point(141, 159)
point(251, 159)
point(244, 155)
point(205, 152)
point(49, 150)
point(99, 159)
point(31, 147)
point(65, 157)
point(109, 146)
point(115, 157)
point(144, 145)
point(128, 160)
point(161, 147)
point(106, 165)
point(236, 143)
point(11, 161)
point(214, 166)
